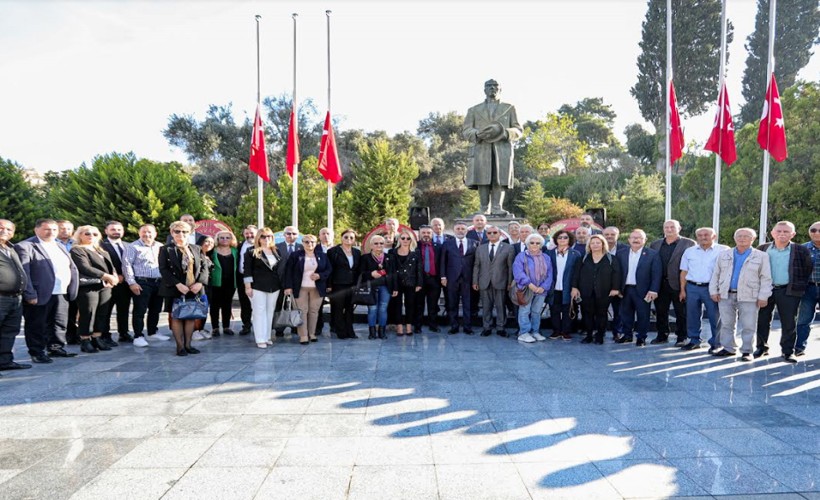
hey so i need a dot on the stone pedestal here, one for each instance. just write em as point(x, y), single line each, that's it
point(500, 222)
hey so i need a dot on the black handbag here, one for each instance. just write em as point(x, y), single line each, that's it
point(363, 294)
point(196, 308)
point(288, 317)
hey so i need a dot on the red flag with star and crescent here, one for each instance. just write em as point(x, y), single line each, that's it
point(329, 165)
point(258, 162)
point(772, 133)
point(675, 131)
point(292, 158)
point(722, 139)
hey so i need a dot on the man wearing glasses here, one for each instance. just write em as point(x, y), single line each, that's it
point(429, 252)
point(491, 277)
point(140, 267)
point(810, 300)
point(285, 248)
point(791, 269)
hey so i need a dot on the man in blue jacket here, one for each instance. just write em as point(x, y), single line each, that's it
point(456, 271)
point(640, 283)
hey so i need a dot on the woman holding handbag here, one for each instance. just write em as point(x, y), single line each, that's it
point(374, 270)
point(532, 270)
point(262, 283)
point(184, 276)
point(597, 278)
point(344, 260)
point(306, 275)
point(406, 266)
point(97, 278)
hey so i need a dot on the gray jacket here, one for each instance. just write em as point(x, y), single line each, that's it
point(496, 274)
point(755, 282)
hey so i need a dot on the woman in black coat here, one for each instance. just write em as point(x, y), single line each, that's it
point(596, 279)
point(97, 278)
point(344, 260)
point(306, 273)
point(262, 283)
point(184, 274)
point(406, 266)
point(375, 267)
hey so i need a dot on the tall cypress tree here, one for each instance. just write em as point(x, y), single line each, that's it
point(796, 32)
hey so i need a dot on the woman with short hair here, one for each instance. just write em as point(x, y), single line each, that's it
point(532, 270)
point(306, 274)
point(374, 268)
point(563, 259)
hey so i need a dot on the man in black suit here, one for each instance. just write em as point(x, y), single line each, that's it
point(284, 249)
point(195, 238)
point(439, 236)
point(478, 232)
point(52, 280)
point(120, 294)
point(640, 282)
point(12, 286)
point(670, 249)
point(524, 232)
point(245, 308)
point(429, 253)
point(456, 271)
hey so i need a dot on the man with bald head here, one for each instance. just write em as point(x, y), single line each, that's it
point(697, 265)
point(12, 285)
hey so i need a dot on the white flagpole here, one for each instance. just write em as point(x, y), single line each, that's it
point(668, 206)
point(260, 209)
point(764, 194)
point(294, 208)
point(329, 184)
point(721, 106)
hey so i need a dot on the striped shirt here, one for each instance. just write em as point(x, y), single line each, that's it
point(141, 261)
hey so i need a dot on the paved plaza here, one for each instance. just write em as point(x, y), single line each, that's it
point(433, 416)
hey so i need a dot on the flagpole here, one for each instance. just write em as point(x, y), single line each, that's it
point(260, 210)
point(721, 105)
point(294, 207)
point(764, 194)
point(329, 184)
point(668, 206)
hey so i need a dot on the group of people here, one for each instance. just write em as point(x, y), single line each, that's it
point(66, 283)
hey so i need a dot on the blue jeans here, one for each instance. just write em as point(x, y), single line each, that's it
point(697, 299)
point(806, 315)
point(378, 313)
point(529, 316)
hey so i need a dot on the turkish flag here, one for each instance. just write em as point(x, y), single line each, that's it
point(292, 158)
point(772, 133)
point(258, 162)
point(675, 131)
point(329, 165)
point(722, 139)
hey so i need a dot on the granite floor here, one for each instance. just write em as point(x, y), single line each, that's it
point(433, 416)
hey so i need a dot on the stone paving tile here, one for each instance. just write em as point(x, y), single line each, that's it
point(306, 483)
point(218, 483)
point(728, 476)
point(48, 482)
point(410, 482)
point(566, 480)
point(498, 481)
point(165, 452)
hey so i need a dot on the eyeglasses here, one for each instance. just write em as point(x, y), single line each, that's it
point(292, 234)
point(181, 231)
point(349, 237)
point(265, 236)
point(405, 238)
point(224, 237)
point(91, 234)
point(562, 237)
point(814, 230)
point(377, 243)
point(492, 232)
point(308, 242)
point(534, 243)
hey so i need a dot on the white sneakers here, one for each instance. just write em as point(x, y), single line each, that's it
point(160, 336)
point(140, 342)
point(526, 337)
point(538, 336)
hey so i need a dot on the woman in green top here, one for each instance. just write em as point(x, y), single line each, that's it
point(225, 258)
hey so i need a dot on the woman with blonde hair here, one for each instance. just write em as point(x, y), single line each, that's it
point(375, 268)
point(344, 260)
point(224, 258)
point(262, 283)
point(306, 275)
point(184, 274)
point(406, 266)
point(595, 281)
point(97, 278)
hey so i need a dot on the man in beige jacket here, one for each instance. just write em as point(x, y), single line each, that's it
point(741, 284)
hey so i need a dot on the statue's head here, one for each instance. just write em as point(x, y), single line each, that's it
point(491, 88)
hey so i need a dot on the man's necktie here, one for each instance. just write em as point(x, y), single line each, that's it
point(492, 252)
point(290, 249)
point(118, 246)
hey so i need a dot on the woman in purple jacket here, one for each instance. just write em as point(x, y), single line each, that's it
point(532, 270)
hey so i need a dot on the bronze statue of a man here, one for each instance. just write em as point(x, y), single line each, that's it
point(492, 127)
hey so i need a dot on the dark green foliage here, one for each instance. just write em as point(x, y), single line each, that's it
point(440, 184)
point(796, 33)
point(593, 120)
point(133, 191)
point(695, 58)
point(19, 201)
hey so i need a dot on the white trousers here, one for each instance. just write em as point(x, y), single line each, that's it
point(264, 305)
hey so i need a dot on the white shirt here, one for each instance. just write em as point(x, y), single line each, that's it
point(61, 264)
point(699, 263)
point(561, 266)
point(634, 257)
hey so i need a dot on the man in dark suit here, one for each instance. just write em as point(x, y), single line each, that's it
point(12, 286)
point(195, 238)
point(429, 253)
point(670, 248)
point(456, 270)
point(52, 280)
point(791, 266)
point(492, 274)
point(478, 232)
point(245, 308)
point(524, 232)
point(640, 282)
point(120, 294)
point(439, 236)
point(285, 248)
point(611, 234)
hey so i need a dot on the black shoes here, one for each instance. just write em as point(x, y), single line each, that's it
point(723, 353)
point(587, 340)
point(226, 331)
point(371, 332)
point(433, 328)
point(246, 330)
point(502, 333)
point(799, 352)
point(746, 357)
point(691, 346)
point(192, 350)
point(453, 330)
point(87, 346)
point(762, 351)
point(788, 358)
point(468, 331)
point(660, 340)
point(640, 343)
point(60, 353)
point(182, 352)
point(14, 366)
point(486, 333)
point(100, 344)
point(41, 358)
point(382, 332)
point(126, 337)
point(625, 339)
point(682, 341)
